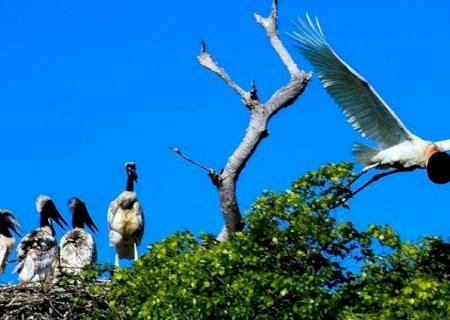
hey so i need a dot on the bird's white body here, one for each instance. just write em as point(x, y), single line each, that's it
point(406, 154)
point(126, 224)
point(77, 249)
point(365, 110)
point(6, 245)
point(36, 254)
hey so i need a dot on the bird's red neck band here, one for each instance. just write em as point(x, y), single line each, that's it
point(430, 151)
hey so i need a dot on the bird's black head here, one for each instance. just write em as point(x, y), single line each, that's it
point(8, 223)
point(130, 168)
point(47, 209)
point(80, 215)
point(438, 168)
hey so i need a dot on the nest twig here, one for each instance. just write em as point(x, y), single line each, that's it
point(51, 301)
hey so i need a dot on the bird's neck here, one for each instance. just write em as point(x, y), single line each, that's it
point(430, 151)
point(45, 222)
point(77, 221)
point(5, 231)
point(130, 184)
point(444, 146)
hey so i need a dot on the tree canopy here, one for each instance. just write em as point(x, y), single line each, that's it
point(293, 260)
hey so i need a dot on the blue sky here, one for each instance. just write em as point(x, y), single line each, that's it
point(86, 86)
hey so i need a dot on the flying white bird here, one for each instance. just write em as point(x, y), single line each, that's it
point(8, 223)
point(78, 247)
point(38, 251)
point(126, 219)
point(397, 147)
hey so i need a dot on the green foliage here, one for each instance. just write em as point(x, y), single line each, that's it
point(294, 260)
point(411, 283)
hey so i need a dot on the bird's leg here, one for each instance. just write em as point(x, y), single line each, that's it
point(363, 172)
point(359, 175)
point(135, 252)
point(376, 178)
point(116, 262)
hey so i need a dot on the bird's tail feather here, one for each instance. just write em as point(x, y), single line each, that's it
point(364, 153)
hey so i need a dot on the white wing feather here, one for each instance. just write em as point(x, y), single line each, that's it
point(36, 253)
point(361, 104)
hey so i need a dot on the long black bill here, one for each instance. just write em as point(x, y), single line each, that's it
point(15, 226)
point(54, 214)
point(81, 215)
point(58, 218)
point(90, 223)
point(11, 222)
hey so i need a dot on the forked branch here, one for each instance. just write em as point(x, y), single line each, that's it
point(260, 114)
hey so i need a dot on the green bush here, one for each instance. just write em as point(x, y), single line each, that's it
point(293, 260)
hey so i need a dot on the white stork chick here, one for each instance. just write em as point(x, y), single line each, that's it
point(8, 223)
point(38, 250)
point(397, 147)
point(126, 219)
point(78, 247)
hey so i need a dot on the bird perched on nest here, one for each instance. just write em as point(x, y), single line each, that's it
point(77, 247)
point(8, 223)
point(126, 219)
point(38, 250)
point(398, 148)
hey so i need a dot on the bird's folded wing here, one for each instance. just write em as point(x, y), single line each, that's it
point(112, 211)
point(141, 221)
point(3, 255)
point(361, 104)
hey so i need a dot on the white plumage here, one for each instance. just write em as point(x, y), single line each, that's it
point(38, 251)
point(8, 223)
point(126, 220)
point(78, 247)
point(366, 111)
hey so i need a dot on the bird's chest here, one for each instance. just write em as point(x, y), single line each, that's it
point(8, 242)
point(126, 221)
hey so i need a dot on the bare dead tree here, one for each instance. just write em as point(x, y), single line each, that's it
point(260, 114)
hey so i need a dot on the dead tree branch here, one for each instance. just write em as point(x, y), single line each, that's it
point(260, 114)
point(206, 60)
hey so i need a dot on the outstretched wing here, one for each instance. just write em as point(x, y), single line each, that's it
point(361, 104)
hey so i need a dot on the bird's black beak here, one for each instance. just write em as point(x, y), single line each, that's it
point(15, 226)
point(58, 218)
point(90, 223)
point(81, 215)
